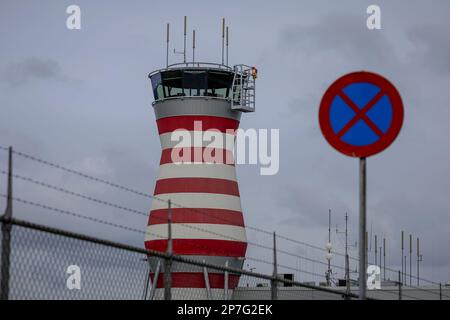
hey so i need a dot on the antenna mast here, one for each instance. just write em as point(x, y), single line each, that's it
point(227, 45)
point(384, 258)
point(193, 46)
point(347, 261)
point(185, 29)
point(223, 39)
point(167, 46)
point(403, 269)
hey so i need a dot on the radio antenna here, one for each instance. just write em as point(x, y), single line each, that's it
point(193, 46)
point(227, 46)
point(185, 29)
point(223, 39)
point(167, 46)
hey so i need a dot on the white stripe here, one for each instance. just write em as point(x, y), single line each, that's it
point(219, 140)
point(197, 170)
point(197, 200)
point(196, 231)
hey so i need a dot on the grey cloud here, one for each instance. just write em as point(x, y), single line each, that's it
point(342, 34)
point(308, 206)
point(33, 69)
point(432, 47)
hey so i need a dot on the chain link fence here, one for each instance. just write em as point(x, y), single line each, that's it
point(40, 262)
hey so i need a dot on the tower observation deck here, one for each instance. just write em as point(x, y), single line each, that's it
point(192, 80)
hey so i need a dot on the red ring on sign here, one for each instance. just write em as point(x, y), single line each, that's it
point(385, 140)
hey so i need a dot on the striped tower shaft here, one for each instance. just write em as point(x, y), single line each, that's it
point(207, 220)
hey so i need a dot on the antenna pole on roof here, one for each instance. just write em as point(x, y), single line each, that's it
point(193, 46)
point(223, 38)
point(167, 46)
point(227, 45)
point(185, 29)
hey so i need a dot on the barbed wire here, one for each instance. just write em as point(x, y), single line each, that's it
point(115, 185)
point(77, 215)
point(76, 194)
point(43, 206)
point(131, 190)
point(73, 214)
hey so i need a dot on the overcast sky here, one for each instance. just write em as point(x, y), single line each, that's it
point(81, 98)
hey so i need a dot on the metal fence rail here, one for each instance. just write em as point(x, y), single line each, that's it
point(39, 257)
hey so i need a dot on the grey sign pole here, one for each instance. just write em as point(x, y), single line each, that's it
point(362, 228)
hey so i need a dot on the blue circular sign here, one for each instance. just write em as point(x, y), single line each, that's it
point(361, 114)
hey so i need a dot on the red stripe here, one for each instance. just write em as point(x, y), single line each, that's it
point(186, 215)
point(205, 153)
point(170, 124)
point(197, 280)
point(203, 185)
point(205, 247)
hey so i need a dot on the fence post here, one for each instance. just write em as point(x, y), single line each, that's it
point(168, 261)
point(274, 284)
point(225, 282)
point(6, 235)
point(399, 286)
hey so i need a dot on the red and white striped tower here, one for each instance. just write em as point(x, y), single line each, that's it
point(207, 220)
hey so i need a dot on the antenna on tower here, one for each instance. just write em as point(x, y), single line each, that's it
point(184, 41)
point(223, 39)
point(167, 46)
point(227, 45)
point(193, 46)
point(185, 30)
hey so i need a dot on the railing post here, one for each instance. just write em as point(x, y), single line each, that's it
point(6, 235)
point(168, 261)
point(399, 285)
point(274, 284)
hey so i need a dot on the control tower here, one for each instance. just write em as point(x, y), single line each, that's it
point(198, 176)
